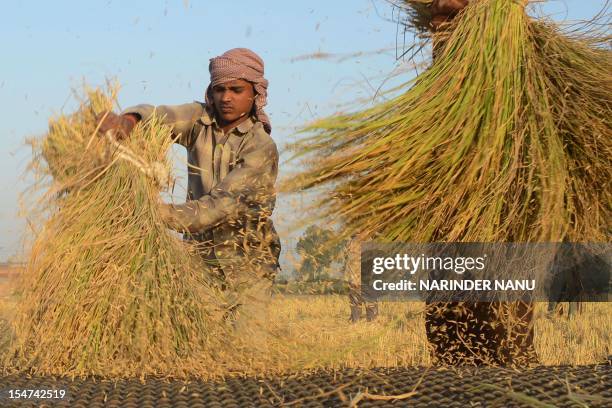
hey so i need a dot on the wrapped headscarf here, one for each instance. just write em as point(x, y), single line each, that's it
point(241, 63)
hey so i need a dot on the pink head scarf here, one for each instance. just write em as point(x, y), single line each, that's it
point(241, 63)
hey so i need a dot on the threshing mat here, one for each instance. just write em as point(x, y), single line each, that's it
point(580, 386)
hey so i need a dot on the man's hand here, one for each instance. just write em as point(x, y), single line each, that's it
point(120, 125)
point(177, 216)
point(167, 214)
point(443, 11)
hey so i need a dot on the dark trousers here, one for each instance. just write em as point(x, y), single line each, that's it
point(481, 333)
point(356, 301)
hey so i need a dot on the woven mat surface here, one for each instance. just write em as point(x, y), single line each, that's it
point(583, 386)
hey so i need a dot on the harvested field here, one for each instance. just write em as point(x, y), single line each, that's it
point(313, 332)
point(339, 362)
point(398, 339)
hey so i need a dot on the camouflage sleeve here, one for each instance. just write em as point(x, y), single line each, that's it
point(248, 185)
point(180, 117)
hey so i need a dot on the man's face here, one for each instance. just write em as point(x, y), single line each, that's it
point(233, 99)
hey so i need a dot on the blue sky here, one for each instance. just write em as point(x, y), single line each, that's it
point(159, 52)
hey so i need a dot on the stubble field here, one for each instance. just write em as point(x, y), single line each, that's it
point(312, 331)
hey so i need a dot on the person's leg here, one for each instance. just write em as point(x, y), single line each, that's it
point(252, 315)
point(516, 346)
point(556, 308)
point(462, 333)
point(574, 308)
point(371, 311)
point(355, 302)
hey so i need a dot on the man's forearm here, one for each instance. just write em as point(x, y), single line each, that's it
point(191, 217)
point(180, 118)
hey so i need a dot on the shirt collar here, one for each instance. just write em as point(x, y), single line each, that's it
point(210, 119)
point(245, 126)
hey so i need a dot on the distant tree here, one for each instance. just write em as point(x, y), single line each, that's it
point(317, 253)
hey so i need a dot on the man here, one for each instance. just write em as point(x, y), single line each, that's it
point(232, 168)
point(460, 333)
point(352, 273)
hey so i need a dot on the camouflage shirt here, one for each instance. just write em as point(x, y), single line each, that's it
point(352, 263)
point(230, 192)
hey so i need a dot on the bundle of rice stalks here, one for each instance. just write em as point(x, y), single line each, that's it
point(505, 138)
point(108, 289)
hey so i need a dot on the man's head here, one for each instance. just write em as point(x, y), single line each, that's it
point(233, 100)
point(443, 11)
point(237, 86)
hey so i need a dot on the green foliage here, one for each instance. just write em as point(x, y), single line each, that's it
point(320, 287)
point(318, 248)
